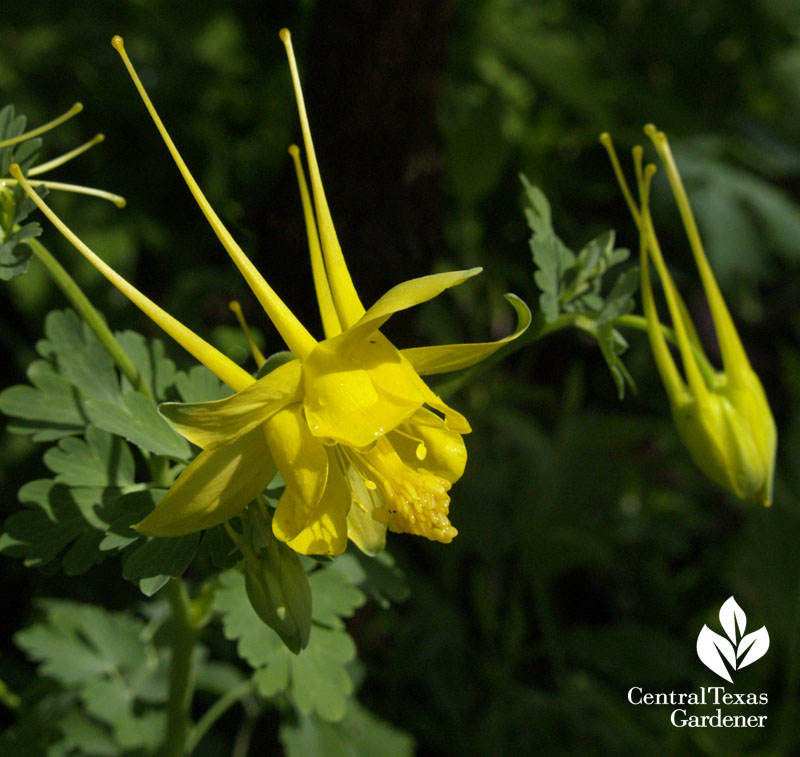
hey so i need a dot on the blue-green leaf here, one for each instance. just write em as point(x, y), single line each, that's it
point(136, 419)
point(316, 679)
point(358, 734)
point(50, 409)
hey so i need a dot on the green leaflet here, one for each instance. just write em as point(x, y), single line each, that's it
point(14, 255)
point(573, 283)
point(49, 409)
point(155, 368)
point(198, 384)
point(72, 511)
point(336, 591)
point(77, 383)
point(379, 577)
point(14, 203)
point(102, 658)
point(316, 679)
point(136, 418)
point(550, 255)
point(358, 734)
point(84, 513)
point(101, 460)
point(155, 561)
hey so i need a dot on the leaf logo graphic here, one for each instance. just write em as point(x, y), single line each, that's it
point(738, 649)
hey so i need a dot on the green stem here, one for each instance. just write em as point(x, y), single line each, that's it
point(540, 328)
point(159, 466)
point(181, 675)
point(215, 712)
point(87, 311)
point(639, 322)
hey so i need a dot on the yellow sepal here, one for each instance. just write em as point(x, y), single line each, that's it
point(453, 357)
point(217, 485)
point(212, 424)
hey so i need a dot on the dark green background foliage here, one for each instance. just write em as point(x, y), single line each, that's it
point(590, 551)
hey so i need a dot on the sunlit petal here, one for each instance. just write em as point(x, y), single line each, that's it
point(454, 357)
point(217, 485)
point(324, 526)
point(303, 462)
point(403, 296)
point(423, 441)
point(211, 424)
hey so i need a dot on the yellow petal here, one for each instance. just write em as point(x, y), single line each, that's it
point(368, 534)
point(211, 424)
point(403, 296)
point(303, 462)
point(325, 525)
point(443, 452)
point(358, 395)
point(217, 485)
point(454, 357)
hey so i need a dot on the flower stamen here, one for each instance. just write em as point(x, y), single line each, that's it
point(416, 500)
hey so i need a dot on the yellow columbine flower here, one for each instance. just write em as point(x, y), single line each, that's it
point(360, 440)
point(723, 416)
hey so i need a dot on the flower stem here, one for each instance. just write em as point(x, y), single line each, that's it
point(181, 674)
point(159, 467)
point(215, 712)
point(540, 328)
point(87, 311)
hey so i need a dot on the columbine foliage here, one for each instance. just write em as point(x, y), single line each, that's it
point(572, 283)
point(109, 669)
point(84, 512)
point(14, 204)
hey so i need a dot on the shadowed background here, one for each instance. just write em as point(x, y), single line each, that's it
point(590, 551)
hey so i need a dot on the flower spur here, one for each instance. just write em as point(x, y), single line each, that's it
point(42, 168)
point(723, 416)
point(361, 441)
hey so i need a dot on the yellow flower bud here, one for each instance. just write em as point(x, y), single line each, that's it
point(723, 417)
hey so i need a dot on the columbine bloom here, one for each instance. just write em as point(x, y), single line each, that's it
point(360, 440)
point(723, 416)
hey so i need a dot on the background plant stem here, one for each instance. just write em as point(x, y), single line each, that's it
point(216, 711)
point(90, 315)
point(181, 674)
